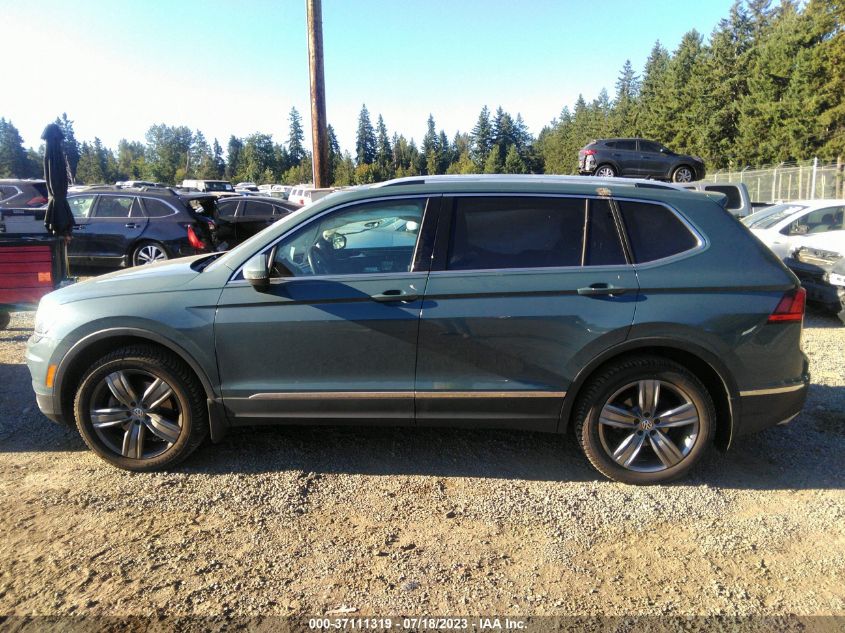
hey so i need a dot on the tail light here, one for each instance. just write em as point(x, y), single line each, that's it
point(37, 201)
point(194, 240)
point(589, 152)
point(790, 308)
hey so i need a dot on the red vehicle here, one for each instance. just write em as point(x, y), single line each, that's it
point(29, 269)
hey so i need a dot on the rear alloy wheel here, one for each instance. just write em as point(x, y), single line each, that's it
point(140, 408)
point(605, 171)
point(645, 421)
point(148, 253)
point(683, 174)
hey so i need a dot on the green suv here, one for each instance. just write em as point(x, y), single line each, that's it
point(642, 319)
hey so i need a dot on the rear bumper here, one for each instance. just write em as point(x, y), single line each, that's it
point(762, 408)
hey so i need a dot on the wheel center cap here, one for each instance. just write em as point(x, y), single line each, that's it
point(138, 412)
point(646, 425)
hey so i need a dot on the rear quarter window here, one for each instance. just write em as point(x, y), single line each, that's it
point(654, 231)
point(157, 208)
point(734, 198)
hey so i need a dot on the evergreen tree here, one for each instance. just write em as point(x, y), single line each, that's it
point(652, 89)
point(257, 158)
point(233, 157)
point(481, 138)
point(217, 157)
point(70, 144)
point(296, 137)
point(624, 106)
point(166, 153)
point(365, 143)
point(492, 165)
point(14, 162)
point(384, 154)
point(514, 163)
point(130, 160)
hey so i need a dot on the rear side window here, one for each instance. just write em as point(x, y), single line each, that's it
point(115, 207)
point(532, 232)
point(157, 208)
point(7, 192)
point(626, 145)
point(257, 209)
point(734, 199)
point(654, 232)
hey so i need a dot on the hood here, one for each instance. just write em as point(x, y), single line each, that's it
point(161, 277)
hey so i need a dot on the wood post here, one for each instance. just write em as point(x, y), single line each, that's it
point(319, 132)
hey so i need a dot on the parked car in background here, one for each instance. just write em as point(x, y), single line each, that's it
point(119, 227)
point(638, 158)
point(788, 226)
point(821, 270)
point(15, 193)
point(297, 194)
point(237, 219)
point(209, 186)
point(277, 191)
point(616, 314)
point(246, 187)
point(739, 200)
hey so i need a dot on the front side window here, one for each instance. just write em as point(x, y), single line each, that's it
point(532, 232)
point(650, 146)
point(80, 206)
point(818, 221)
point(654, 232)
point(377, 237)
point(226, 209)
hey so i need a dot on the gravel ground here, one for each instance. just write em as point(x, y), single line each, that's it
point(382, 522)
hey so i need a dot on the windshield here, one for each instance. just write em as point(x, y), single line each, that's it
point(767, 218)
point(218, 185)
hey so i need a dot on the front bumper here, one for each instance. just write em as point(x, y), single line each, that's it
point(39, 351)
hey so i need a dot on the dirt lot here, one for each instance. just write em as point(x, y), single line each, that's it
point(383, 522)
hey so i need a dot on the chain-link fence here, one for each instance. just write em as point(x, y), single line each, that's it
point(805, 180)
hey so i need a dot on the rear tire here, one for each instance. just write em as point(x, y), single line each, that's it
point(141, 408)
point(148, 253)
point(605, 171)
point(619, 425)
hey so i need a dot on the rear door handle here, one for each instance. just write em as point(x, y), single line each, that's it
point(131, 225)
point(601, 289)
point(395, 295)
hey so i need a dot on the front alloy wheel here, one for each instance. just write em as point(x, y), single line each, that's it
point(141, 408)
point(644, 420)
point(683, 174)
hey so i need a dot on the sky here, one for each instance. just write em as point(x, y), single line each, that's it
point(228, 67)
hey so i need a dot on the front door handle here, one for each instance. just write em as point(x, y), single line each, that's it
point(602, 289)
point(131, 226)
point(395, 295)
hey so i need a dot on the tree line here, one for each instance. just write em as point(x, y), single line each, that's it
point(766, 87)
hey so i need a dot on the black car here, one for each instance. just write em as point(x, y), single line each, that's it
point(124, 227)
point(822, 274)
point(638, 158)
point(21, 194)
point(238, 218)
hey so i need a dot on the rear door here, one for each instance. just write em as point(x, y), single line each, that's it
point(254, 216)
point(524, 291)
point(116, 222)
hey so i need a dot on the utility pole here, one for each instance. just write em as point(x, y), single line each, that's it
point(319, 133)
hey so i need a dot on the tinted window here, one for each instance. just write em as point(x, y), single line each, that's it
point(610, 144)
point(80, 206)
point(603, 246)
point(654, 231)
point(627, 145)
point(513, 232)
point(114, 206)
point(734, 199)
point(157, 208)
point(7, 192)
point(649, 146)
point(378, 237)
point(226, 209)
point(257, 209)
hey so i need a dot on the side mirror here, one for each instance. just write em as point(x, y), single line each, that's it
point(257, 273)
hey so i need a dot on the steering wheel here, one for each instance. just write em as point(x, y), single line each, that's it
point(318, 258)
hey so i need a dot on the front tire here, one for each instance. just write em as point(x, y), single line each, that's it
point(141, 408)
point(644, 421)
point(683, 174)
point(148, 253)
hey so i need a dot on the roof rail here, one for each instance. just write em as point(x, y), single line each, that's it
point(535, 178)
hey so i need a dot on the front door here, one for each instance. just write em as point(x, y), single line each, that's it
point(335, 335)
point(653, 163)
point(524, 292)
point(81, 207)
point(626, 156)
